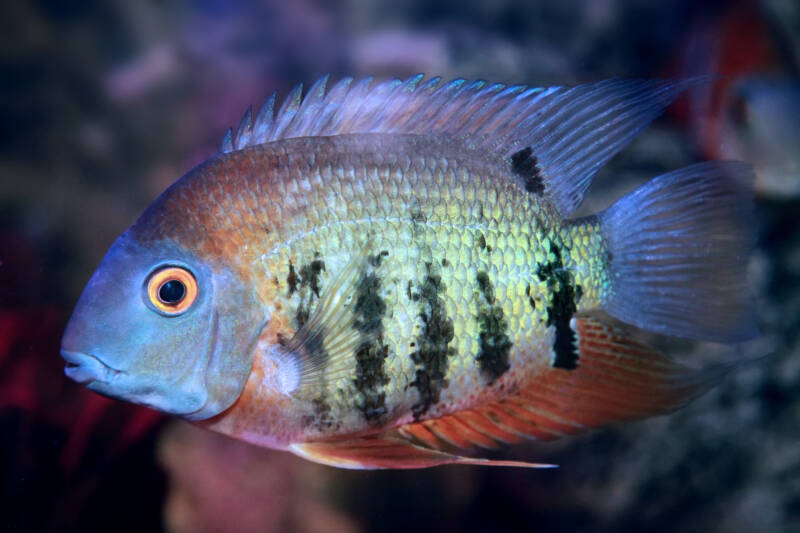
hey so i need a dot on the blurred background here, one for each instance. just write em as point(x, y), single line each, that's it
point(104, 104)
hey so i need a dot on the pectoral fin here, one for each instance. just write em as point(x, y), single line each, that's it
point(347, 317)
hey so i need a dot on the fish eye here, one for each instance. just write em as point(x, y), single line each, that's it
point(171, 290)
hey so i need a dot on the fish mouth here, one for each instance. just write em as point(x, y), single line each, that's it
point(86, 368)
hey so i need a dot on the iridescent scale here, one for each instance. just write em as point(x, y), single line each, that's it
point(462, 279)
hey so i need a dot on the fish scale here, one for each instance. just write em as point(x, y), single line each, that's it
point(442, 211)
point(388, 275)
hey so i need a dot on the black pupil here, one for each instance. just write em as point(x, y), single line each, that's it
point(171, 292)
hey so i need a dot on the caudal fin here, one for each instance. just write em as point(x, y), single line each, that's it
point(678, 251)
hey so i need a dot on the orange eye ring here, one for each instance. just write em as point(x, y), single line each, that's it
point(172, 290)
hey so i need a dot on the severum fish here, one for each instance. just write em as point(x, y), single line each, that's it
point(388, 275)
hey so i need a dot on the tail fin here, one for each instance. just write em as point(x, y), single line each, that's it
point(678, 250)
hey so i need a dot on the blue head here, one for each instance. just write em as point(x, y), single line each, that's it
point(159, 326)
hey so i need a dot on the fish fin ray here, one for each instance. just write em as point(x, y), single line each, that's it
point(380, 452)
point(570, 131)
point(617, 378)
point(327, 341)
point(678, 253)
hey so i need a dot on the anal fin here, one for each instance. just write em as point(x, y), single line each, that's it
point(617, 378)
point(380, 452)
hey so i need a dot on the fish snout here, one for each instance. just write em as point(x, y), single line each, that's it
point(85, 368)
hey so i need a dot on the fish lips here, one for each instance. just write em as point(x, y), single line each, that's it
point(87, 369)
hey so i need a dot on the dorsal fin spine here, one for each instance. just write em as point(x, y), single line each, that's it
point(428, 109)
point(571, 131)
point(408, 87)
point(501, 116)
point(245, 129)
point(434, 103)
point(388, 88)
point(304, 117)
point(263, 122)
point(227, 142)
point(287, 112)
point(337, 94)
point(485, 113)
point(412, 82)
point(358, 93)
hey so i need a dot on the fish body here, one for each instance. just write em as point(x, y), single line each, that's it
point(383, 277)
point(455, 264)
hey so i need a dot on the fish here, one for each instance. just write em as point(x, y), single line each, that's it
point(391, 275)
point(759, 125)
point(751, 110)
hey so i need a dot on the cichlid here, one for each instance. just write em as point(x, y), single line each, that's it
point(390, 276)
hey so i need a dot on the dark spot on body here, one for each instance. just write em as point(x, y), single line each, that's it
point(377, 259)
point(530, 298)
point(485, 286)
point(433, 351)
point(518, 159)
point(482, 244)
point(564, 297)
point(566, 354)
point(417, 216)
point(525, 165)
point(309, 275)
point(445, 262)
point(306, 282)
point(494, 342)
point(371, 354)
point(369, 306)
point(301, 315)
point(371, 378)
point(291, 279)
point(321, 418)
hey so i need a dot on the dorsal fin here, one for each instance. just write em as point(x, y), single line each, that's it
point(570, 131)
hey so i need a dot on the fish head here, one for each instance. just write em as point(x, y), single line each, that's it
point(160, 326)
